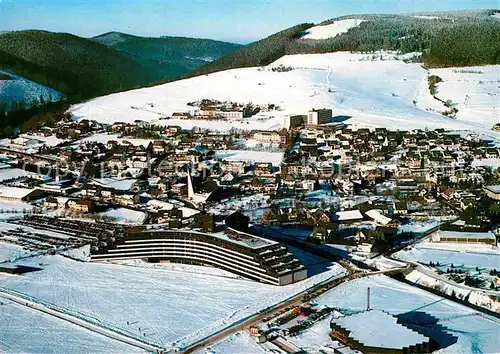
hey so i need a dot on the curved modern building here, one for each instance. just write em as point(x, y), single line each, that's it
point(240, 253)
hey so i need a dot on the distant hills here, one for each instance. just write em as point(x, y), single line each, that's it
point(82, 68)
point(445, 39)
point(167, 57)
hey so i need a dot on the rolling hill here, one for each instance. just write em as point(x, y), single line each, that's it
point(167, 57)
point(82, 68)
point(444, 39)
point(363, 90)
point(77, 67)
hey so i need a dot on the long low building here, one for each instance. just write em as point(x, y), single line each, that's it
point(240, 253)
point(464, 237)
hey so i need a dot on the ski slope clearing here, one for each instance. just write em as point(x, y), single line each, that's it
point(332, 30)
point(166, 308)
point(26, 330)
point(364, 90)
point(476, 332)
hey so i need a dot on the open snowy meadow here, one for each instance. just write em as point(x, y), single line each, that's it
point(366, 90)
point(164, 307)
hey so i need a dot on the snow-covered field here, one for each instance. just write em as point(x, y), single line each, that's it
point(476, 332)
point(104, 138)
point(362, 90)
point(238, 343)
point(124, 216)
point(25, 330)
point(332, 30)
point(10, 210)
point(493, 163)
point(13, 173)
point(251, 156)
point(469, 256)
point(9, 251)
point(172, 308)
point(475, 91)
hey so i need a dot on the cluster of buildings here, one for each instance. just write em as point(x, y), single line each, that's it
point(333, 179)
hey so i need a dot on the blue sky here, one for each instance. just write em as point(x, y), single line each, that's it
point(239, 21)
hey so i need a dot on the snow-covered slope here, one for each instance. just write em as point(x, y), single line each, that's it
point(366, 90)
point(475, 92)
point(20, 89)
point(331, 30)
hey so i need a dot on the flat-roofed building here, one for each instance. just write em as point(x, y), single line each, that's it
point(240, 253)
point(269, 137)
point(376, 331)
point(464, 237)
point(233, 115)
point(319, 116)
point(493, 191)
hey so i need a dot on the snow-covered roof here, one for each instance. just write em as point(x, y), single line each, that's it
point(378, 217)
point(13, 192)
point(161, 205)
point(494, 188)
point(376, 328)
point(466, 235)
point(348, 215)
point(115, 183)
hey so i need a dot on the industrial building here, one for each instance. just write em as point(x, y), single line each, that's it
point(240, 253)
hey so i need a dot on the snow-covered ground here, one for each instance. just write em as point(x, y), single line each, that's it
point(332, 30)
point(468, 256)
point(173, 308)
point(417, 227)
point(364, 90)
point(13, 173)
point(104, 138)
point(21, 89)
point(177, 267)
point(10, 251)
point(25, 330)
point(426, 17)
point(474, 91)
point(493, 163)
point(251, 156)
point(124, 216)
point(476, 332)
point(238, 343)
point(11, 210)
point(253, 205)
